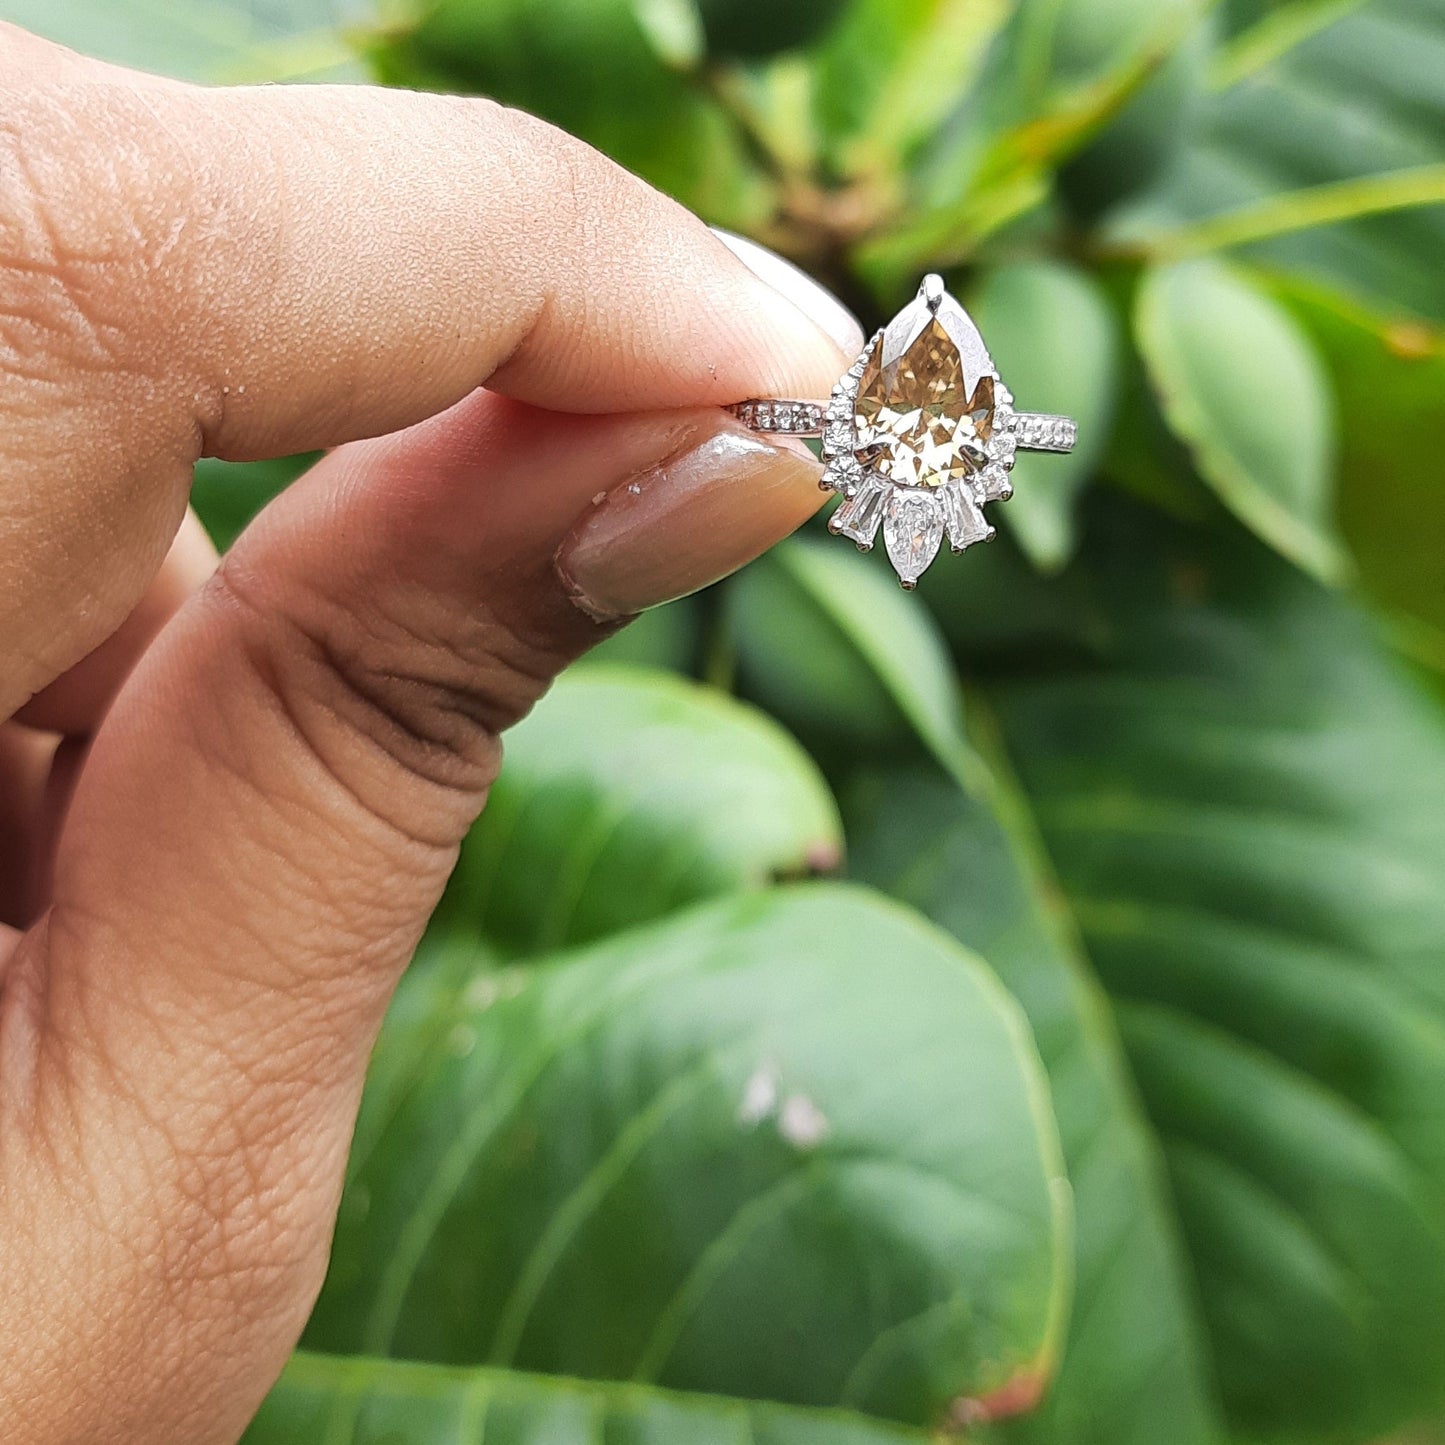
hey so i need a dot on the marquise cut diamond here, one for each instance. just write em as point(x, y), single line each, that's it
point(912, 530)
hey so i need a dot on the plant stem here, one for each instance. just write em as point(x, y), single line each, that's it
point(1300, 210)
point(1276, 34)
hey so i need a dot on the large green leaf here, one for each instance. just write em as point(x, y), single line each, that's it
point(665, 637)
point(1134, 1370)
point(831, 644)
point(332, 1400)
point(1245, 805)
point(1054, 338)
point(1242, 386)
point(1390, 380)
point(1241, 804)
point(791, 1147)
point(626, 795)
point(1361, 97)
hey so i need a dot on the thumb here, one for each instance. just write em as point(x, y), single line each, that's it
point(267, 818)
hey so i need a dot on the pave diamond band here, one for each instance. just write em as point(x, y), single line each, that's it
point(1034, 431)
point(786, 418)
point(1037, 431)
point(919, 434)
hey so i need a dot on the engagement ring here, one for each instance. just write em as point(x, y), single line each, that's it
point(919, 433)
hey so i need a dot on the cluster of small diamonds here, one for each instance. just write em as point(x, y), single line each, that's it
point(781, 416)
point(844, 471)
point(991, 484)
point(1044, 433)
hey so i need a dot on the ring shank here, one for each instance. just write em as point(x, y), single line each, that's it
point(782, 416)
point(1040, 431)
point(786, 416)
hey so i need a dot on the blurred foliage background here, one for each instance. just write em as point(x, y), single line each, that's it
point(1104, 1103)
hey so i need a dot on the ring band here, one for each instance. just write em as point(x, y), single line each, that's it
point(1035, 431)
point(919, 434)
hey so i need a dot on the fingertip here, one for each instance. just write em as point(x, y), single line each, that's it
point(802, 291)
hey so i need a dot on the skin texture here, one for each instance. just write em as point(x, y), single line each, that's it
point(230, 796)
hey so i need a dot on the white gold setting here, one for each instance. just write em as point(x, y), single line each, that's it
point(919, 434)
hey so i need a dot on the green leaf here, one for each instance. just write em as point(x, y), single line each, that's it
point(674, 30)
point(591, 66)
point(1240, 806)
point(627, 795)
point(1135, 149)
point(1064, 43)
point(762, 27)
point(1361, 98)
point(833, 646)
point(995, 161)
point(1052, 333)
point(1244, 802)
point(1241, 384)
point(226, 495)
point(793, 1147)
point(1135, 1370)
point(662, 637)
point(891, 73)
point(1391, 379)
point(327, 1400)
point(204, 40)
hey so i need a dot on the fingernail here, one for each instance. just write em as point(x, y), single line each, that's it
point(815, 301)
point(722, 498)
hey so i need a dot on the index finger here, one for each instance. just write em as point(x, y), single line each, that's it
point(253, 272)
point(320, 261)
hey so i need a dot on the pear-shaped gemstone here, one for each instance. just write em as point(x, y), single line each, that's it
point(915, 423)
point(912, 531)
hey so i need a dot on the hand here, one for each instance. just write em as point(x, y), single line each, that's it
point(229, 797)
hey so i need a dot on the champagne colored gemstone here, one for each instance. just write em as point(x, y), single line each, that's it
point(914, 422)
